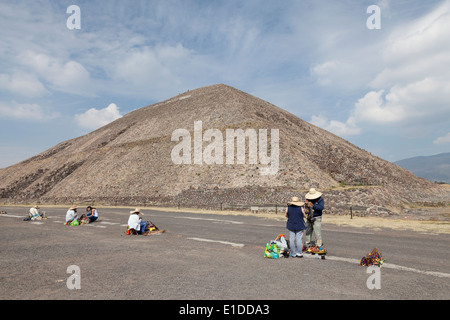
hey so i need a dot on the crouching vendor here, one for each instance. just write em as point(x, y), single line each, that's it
point(92, 214)
point(35, 214)
point(71, 216)
point(135, 221)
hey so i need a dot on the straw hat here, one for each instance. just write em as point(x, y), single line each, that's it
point(74, 207)
point(313, 194)
point(135, 211)
point(36, 207)
point(296, 202)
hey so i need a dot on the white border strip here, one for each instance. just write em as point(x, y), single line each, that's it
point(240, 245)
point(210, 219)
point(13, 216)
point(393, 266)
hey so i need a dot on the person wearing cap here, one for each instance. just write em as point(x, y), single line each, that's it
point(34, 213)
point(71, 214)
point(315, 204)
point(135, 221)
point(295, 224)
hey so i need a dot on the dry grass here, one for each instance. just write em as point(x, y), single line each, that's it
point(378, 223)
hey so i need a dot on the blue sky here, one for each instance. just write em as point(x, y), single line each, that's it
point(385, 90)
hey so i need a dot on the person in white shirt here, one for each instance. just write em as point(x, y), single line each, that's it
point(34, 213)
point(92, 214)
point(135, 222)
point(71, 214)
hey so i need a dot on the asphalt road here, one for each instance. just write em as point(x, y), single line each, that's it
point(208, 257)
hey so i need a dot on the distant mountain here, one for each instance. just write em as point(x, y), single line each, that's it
point(434, 168)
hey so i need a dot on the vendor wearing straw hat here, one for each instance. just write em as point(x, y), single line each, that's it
point(314, 208)
point(135, 222)
point(295, 224)
point(34, 213)
point(71, 214)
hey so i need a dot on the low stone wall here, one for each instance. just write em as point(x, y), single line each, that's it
point(360, 201)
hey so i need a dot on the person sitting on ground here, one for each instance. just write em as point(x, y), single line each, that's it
point(91, 214)
point(295, 224)
point(71, 215)
point(35, 214)
point(135, 221)
point(282, 244)
point(315, 205)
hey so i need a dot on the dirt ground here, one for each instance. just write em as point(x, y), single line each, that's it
point(429, 220)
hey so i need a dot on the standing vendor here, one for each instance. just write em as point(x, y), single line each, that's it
point(314, 204)
point(295, 224)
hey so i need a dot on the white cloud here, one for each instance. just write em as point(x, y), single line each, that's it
point(417, 101)
point(421, 39)
point(413, 85)
point(69, 77)
point(348, 128)
point(94, 118)
point(443, 140)
point(373, 108)
point(24, 111)
point(152, 64)
point(158, 72)
point(324, 72)
point(416, 56)
point(23, 84)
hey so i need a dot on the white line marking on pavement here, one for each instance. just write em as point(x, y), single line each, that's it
point(11, 216)
point(240, 245)
point(110, 223)
point(390, 266)
point(341, 259)
point(210, 219)
point(429, 273)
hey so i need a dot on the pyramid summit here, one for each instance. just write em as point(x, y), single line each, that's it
point(152, 155)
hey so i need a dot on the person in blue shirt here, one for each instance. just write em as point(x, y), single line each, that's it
point(295, 215)
point(314, 207)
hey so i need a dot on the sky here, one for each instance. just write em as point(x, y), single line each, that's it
point(377, 78)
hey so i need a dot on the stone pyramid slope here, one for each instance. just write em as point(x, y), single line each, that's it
point(130, 159)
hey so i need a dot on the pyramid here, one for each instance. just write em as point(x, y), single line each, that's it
point(179, 150)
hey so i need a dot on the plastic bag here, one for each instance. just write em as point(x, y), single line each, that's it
point(271, 251)
point(75, 223)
